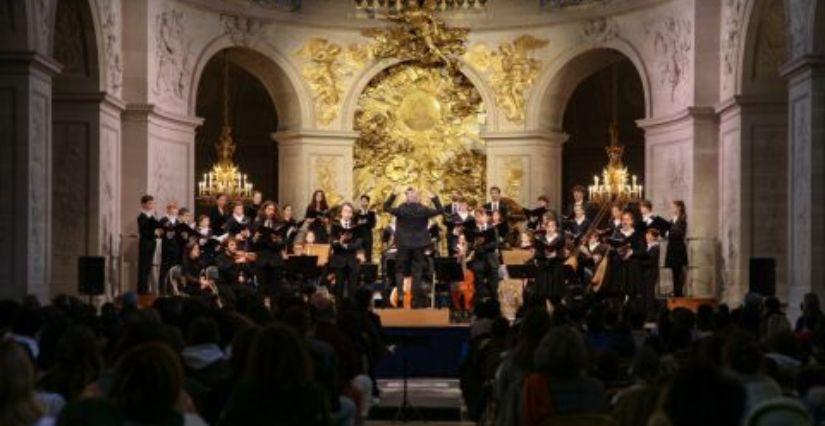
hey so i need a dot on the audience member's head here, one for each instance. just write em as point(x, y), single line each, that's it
point(701, 394)
point(277, 360)
point(18, 406)
point(561, 353)
point(147, 383)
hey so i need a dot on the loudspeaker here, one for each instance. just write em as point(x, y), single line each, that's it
point(91, 275)
point(763, 275)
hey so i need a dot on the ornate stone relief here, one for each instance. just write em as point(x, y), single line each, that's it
point(240, 29)
point(731, 32)
point(600, 30)
point(172, 54)
point(44, 11)
point(800, 10)
point(327, 64)
point(110, 29)
point(38, 179)
point(513, 173)
point(110, 242)
point(512, 71)
point(327, 167)
point(671, 39)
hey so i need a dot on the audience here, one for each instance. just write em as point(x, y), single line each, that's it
point(303, 360)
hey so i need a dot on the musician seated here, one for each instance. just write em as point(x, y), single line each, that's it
point(463, 292)
point(234, 263)
point(485, 256)
point(525, 239)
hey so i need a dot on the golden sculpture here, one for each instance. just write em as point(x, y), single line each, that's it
point(513, 178)
point(325, 171)
point(419, 126)
point(327, 64)
point(512, 72)
point(419, 35)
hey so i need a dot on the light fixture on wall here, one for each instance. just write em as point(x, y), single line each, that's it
point(225, 177)
point(616, 183)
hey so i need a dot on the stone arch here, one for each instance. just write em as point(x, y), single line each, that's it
point(818, 28)
point(350, 103)
point(76, 45)
point(548, 99)
point(292, 98)
point(760, 56)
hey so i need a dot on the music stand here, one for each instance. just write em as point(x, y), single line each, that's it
point(521, 272)
point(302, 268)
point(447, 270)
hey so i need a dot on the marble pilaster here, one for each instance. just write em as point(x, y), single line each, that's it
point(25, 173)
point(311, 160)
point(680, 164)
point(526, 165)
point(806, 176)
point(158, 158)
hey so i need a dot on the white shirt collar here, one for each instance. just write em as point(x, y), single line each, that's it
point(172, 219)
point(240, 218)
point(580, 221)
point(148, 213)
point(653, 244)
point(628, 232)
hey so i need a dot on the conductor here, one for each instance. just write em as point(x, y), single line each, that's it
point(412, 235)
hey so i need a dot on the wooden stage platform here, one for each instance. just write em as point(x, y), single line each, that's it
point(426, 317)
point(691, 303)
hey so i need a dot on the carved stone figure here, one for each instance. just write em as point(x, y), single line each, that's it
point(172, 54)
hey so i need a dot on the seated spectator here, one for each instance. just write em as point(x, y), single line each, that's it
point(634, 405)
point(147, 387)
point(562, 385)
point(18, 404)
point(743, 357)
point(78, 363)
point(518, 364)
point(277, 386)
point(701, 395)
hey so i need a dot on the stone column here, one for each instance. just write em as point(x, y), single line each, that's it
point(752, 186)
point(25, 173)
point(86, 186)
point(526, 165)
point(681, 164)
point(158, 158)
point(310, 160)
point(806, 186)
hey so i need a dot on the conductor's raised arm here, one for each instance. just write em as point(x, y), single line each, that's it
point(438, 208)
point(388, 204)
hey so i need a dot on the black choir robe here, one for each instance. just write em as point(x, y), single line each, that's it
point(170, 247)
point(318, 227)
point(534, 217)
point(218, 218)
point(502, 208)
point(650, 273)
point(346, 242)
point(549, 259)
point(484, 246)
point(366, 221)
point(627, 275)
point(236, 225)
point(147, 227)
point(456, 224)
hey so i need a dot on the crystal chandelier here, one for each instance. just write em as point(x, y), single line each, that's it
point(225, 177)
point(616, 183)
